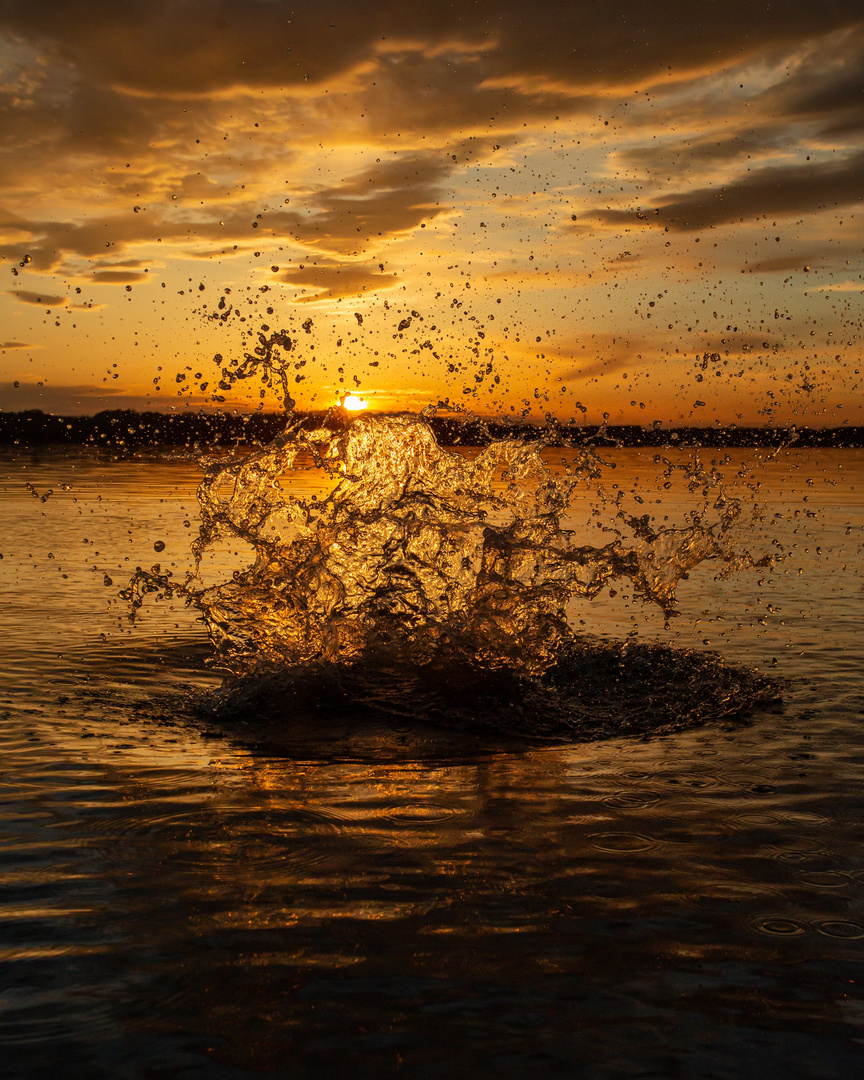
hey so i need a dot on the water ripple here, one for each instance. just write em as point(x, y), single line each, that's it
point(622, 841)
point(777, 926)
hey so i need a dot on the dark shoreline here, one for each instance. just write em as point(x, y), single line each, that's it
point(130, 430)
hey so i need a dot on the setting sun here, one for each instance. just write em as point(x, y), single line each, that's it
point(353, 403)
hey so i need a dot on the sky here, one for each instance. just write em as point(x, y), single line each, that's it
point(647, 212)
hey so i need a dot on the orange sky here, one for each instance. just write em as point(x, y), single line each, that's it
point(577, 202)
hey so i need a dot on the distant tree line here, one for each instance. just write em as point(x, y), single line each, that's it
point(126, 429)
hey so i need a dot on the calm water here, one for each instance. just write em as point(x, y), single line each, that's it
point(356, 898)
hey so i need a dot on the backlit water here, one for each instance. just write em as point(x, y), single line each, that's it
point(358, 896)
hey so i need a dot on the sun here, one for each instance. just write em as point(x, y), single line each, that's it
point(353, 403)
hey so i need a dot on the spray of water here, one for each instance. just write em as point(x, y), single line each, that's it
point(434, 583)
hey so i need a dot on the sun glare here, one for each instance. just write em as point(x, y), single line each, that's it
point(353, 403)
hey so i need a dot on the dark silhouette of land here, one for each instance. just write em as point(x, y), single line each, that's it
point(126, 429)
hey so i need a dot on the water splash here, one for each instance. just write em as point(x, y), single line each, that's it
point(429, 582)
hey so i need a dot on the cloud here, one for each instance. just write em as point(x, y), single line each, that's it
point(625, 260)
point(333, 280)
point(61, 112)
point(538, 278)
point(179, 101)
point(17, 396)
point(842, 286)
point(383, 201)
point(116, 277)
point(443, 93)
point(590, 356)
point(706, 150)
point(65, 245)
point(736, 344)
point(43, 299)
point(825, 83)
point(16, 345)
point(784, 263)
point(48, 244)
point(127, 264)
point(850, 123)
point(632, 356)
point(141, 133)
point(162, 47)
point(169, 48)
point(596, 368)
point(78, 399)
point(835, 92)
point(775, 192)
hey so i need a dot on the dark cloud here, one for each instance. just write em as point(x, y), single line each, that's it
point(844, 90)
point(826, 85)
point(625, 42)
point(175, 128)
point(706, 151)
point(78, 399)
point(50, 243)
point(116, 277)
point(829, 77)
point(383, 201)
point(784, 263)
point(601, 354)
point(140, 84)
point(43, 299)
point(596, 368)
point(17, 396)
point(438, 95)
point(56, 245)
point(626, 260)
point(851, 123)
point(731, 343)
point(161, 46)
point(125, 264)
point(775, 192)
point(15, 345)
point(332, 280)
point(61, 122)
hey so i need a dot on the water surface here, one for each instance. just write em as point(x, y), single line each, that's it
point(374, 896)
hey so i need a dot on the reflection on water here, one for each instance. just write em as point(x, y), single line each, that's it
point(367, 896)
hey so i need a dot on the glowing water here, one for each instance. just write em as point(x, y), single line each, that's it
point(432, 583)
point(206, 898)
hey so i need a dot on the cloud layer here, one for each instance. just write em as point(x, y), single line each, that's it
point(559, 151)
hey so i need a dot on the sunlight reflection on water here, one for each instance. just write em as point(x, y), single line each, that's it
point(179, 896)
